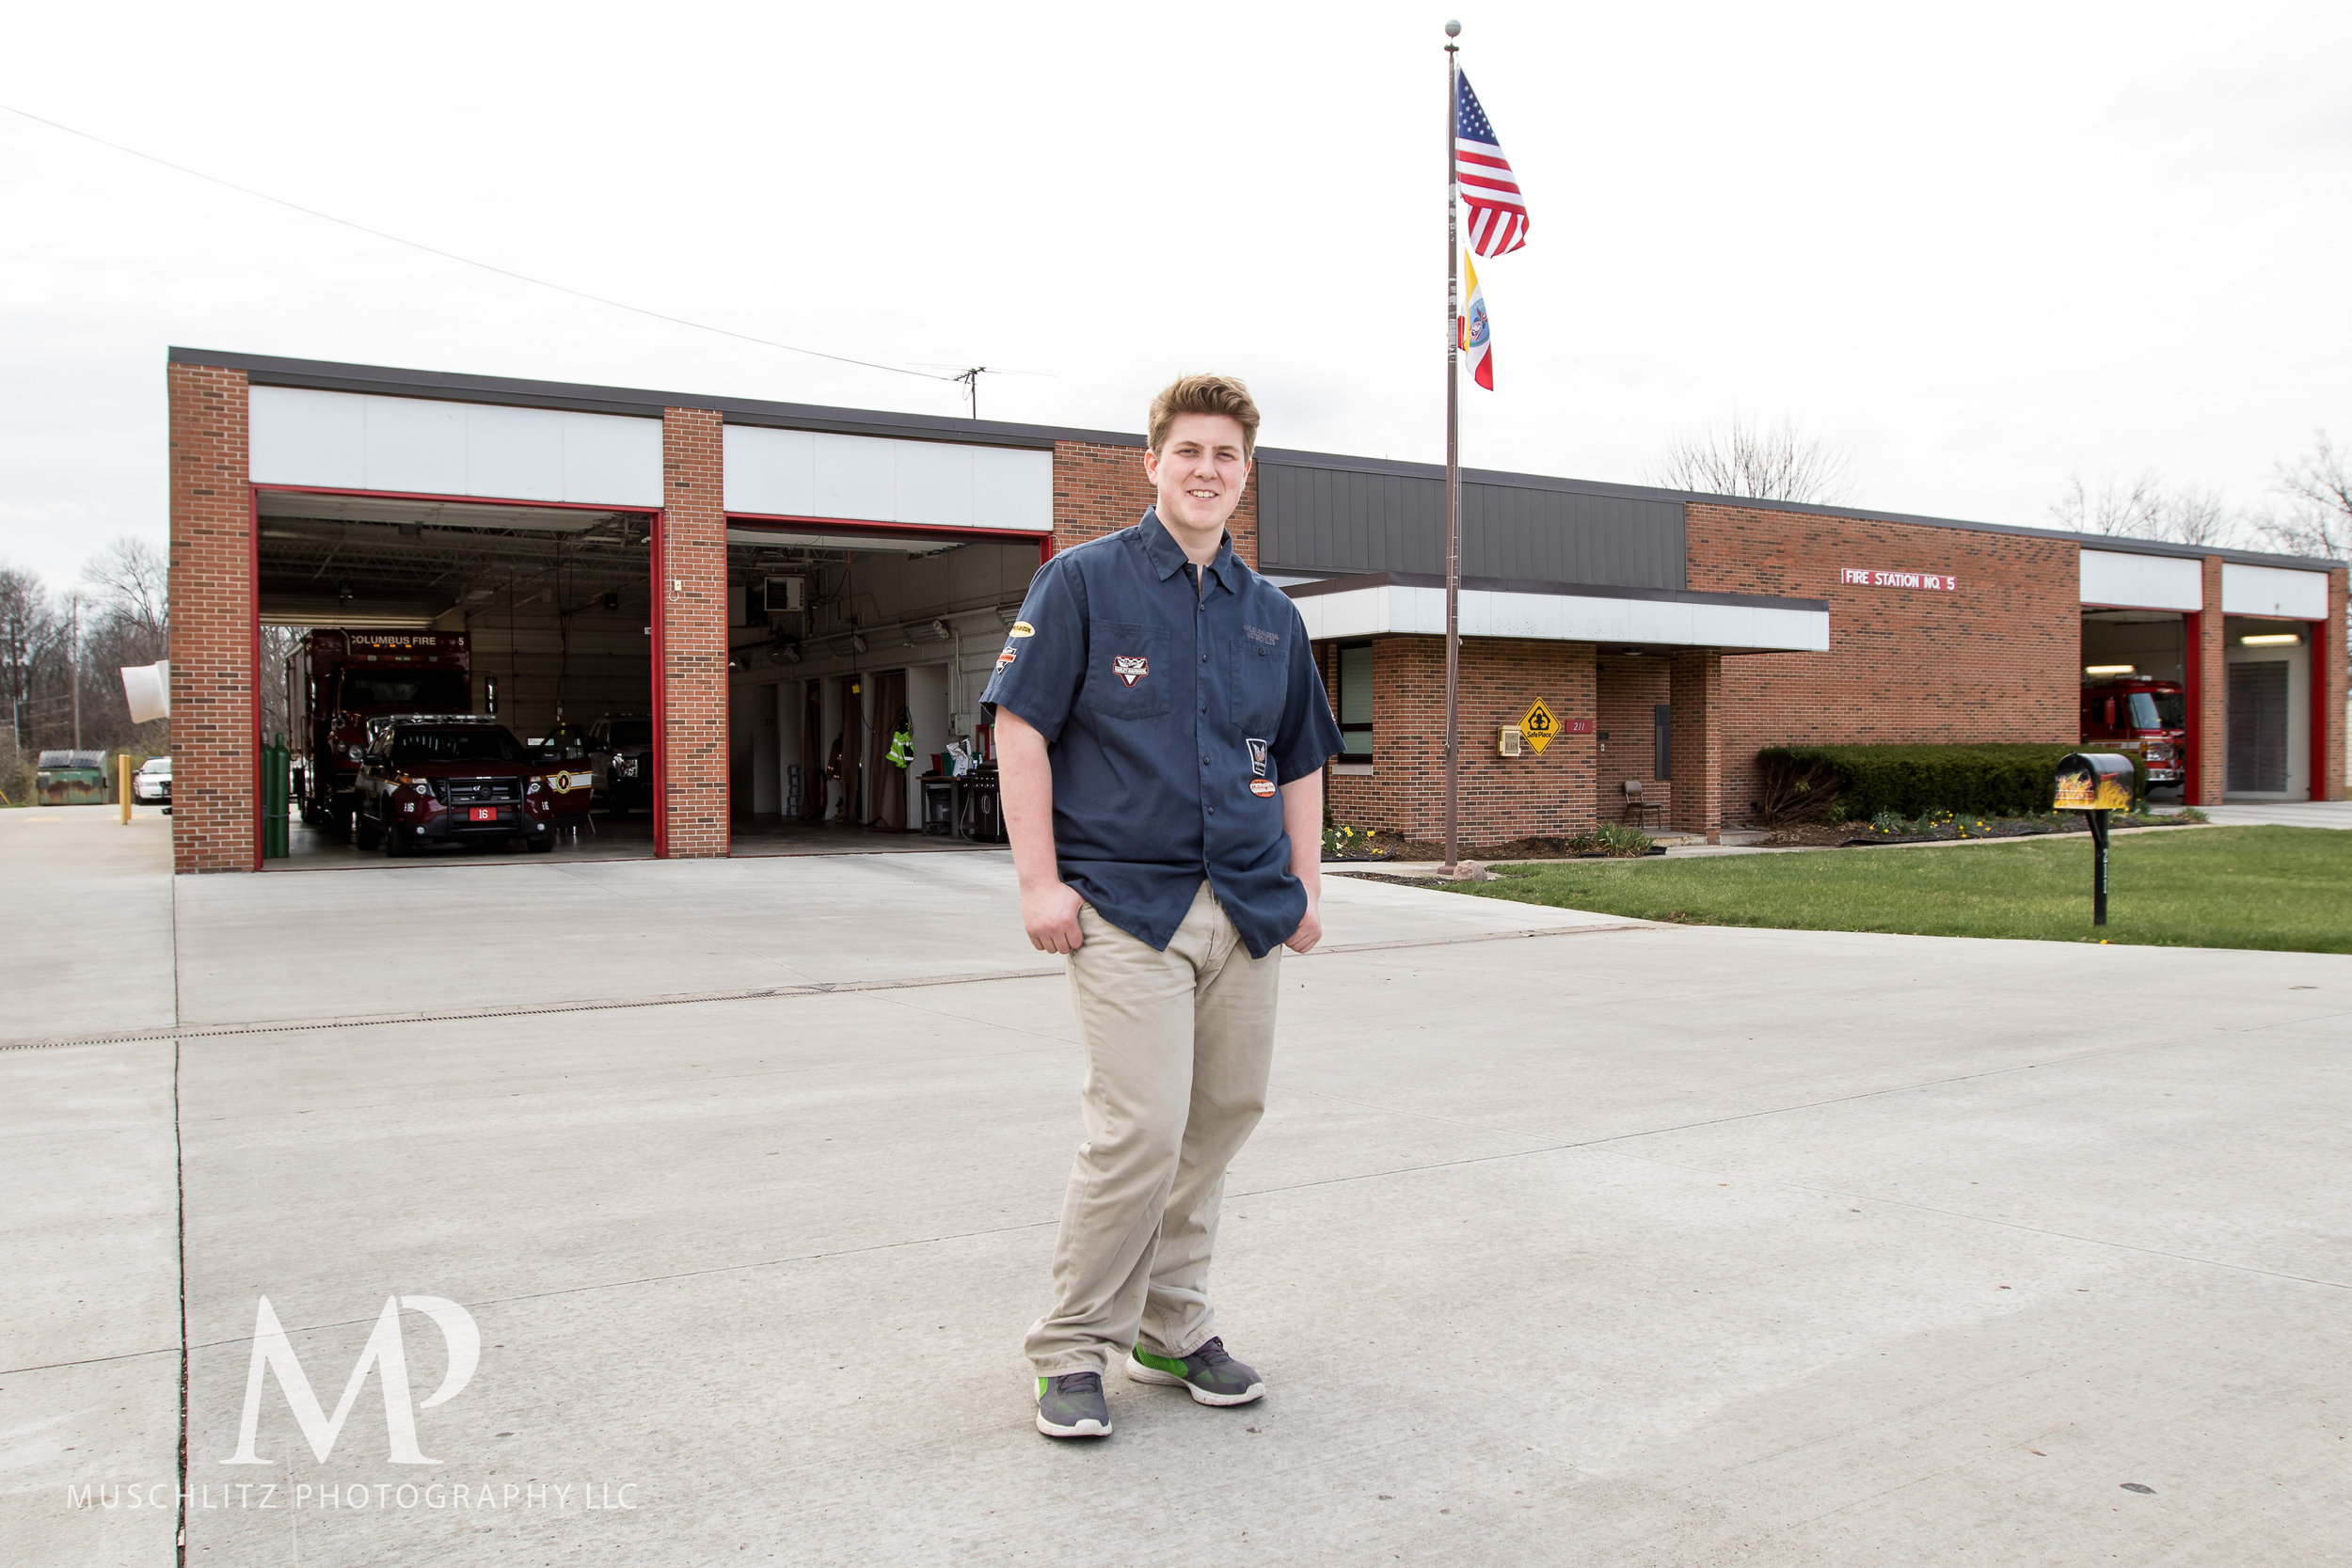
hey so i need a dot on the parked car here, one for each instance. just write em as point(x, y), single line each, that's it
point(621, 747)
point(151, 784)
point(451, 779)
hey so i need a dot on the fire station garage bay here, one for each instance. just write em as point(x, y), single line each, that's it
point(424, 618)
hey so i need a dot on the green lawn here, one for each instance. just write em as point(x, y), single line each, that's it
point(2206, 887)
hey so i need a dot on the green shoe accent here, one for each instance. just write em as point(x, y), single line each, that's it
point(1213, 1377)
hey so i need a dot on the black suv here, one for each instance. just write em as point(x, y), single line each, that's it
point(446, 777)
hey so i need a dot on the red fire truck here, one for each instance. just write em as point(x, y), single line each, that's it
point(2135, 714)
point(338, 679)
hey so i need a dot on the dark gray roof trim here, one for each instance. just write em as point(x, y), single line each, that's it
point(267, 370)
point(1566, 590)
point(1650, 493)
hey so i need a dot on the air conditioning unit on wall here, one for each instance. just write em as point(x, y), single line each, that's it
point(787, 594)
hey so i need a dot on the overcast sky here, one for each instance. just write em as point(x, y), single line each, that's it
point(1979, 249)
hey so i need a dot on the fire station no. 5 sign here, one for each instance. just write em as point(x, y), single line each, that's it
point(1539, 726)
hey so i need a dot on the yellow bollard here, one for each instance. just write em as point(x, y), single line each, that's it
point(122, 787)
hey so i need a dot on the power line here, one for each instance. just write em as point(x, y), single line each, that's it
point(468, 261)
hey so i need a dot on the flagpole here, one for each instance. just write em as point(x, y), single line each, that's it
point(1452, 467)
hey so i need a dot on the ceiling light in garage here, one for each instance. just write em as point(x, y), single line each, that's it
point(2107, 668)
point(2271, 640)
point(929, 631)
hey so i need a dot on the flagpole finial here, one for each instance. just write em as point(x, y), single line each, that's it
point(1454, 29)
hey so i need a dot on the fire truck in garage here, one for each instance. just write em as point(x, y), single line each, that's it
point(2135, 714)
point(338, 679)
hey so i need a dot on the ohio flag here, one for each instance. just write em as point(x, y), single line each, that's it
point(1477, 332)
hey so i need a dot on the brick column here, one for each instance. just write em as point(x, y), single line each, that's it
point(690, 597)
point(2327, 666)
point(2211, 742)
point(213, 749)
point(1696, 691)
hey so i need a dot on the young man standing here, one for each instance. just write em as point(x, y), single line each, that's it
point(1161, 731)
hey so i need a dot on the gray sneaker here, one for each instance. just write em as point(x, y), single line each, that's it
point(1071, 1405)
point(1213, 1377)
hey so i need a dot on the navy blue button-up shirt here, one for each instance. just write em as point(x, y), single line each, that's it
point(1175, 707)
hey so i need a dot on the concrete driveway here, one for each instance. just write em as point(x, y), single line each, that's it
point(1566, 1239)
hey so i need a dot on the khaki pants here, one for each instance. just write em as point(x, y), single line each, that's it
point(1177, 1049)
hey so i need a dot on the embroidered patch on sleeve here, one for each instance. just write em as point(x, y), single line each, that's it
point(1023, 628)
point(1129, 668)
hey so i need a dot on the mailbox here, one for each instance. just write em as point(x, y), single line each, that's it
point(2094, 781)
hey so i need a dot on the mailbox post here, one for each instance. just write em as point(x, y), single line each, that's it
point(2095, 783)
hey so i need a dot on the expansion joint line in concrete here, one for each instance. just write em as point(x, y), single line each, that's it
point(759, 994)
point(180, 1243)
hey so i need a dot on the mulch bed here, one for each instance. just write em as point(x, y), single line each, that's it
point(1397, 846)
point(1842, 834)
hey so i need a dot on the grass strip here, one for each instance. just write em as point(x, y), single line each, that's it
point(2269, 887)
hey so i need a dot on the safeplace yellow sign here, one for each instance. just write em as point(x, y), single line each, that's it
point(1538, 726)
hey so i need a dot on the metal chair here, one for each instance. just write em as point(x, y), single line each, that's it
point(1635, 804)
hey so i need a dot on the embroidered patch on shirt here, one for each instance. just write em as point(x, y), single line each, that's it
point(1262, 635)
point(1129, 668)
point(1023, 628)
point(1257, 758)
point(1262, 786)
point(1006, 656)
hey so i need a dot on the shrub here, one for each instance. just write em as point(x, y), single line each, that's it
point(1915, 781)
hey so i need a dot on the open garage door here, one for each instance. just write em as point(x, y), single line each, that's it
point(857, 655)
point(512, 638)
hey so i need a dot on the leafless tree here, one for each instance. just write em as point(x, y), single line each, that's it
point(1769, 461)
point(2318, 489)
point(2145, 507)
point(133, 583)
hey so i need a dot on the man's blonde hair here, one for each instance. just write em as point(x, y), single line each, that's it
point(1204, 394)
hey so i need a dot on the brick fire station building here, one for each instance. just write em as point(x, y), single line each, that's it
point(758, 578)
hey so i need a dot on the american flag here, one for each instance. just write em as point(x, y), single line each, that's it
point(1498, 218)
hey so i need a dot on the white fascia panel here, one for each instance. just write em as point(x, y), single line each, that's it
point(1723, 626)
point(416, 446)
point(1792, 630)
point(1589, 620)
point(804, 473)
point(856, 476)
point(612, 459)
point(429, 447)
point(933, 483)
point(769, 472)
point(1012, 487)
point(1659, 620)
point(1564, 618)
point(1417, 611)
point(517, 452)
point(1487, 613)
point(1354, 612)
point(2142, 582)
point(300, 437)
point(2274, 591)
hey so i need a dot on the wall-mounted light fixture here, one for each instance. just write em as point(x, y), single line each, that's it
point(2271, 640)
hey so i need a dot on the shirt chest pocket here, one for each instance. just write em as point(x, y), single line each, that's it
point(1255, 688)
point(1128, 673)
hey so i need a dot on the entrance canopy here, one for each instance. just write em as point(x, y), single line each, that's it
point(1411, 604)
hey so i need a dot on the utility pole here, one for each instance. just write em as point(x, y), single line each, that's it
point(76, 651)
